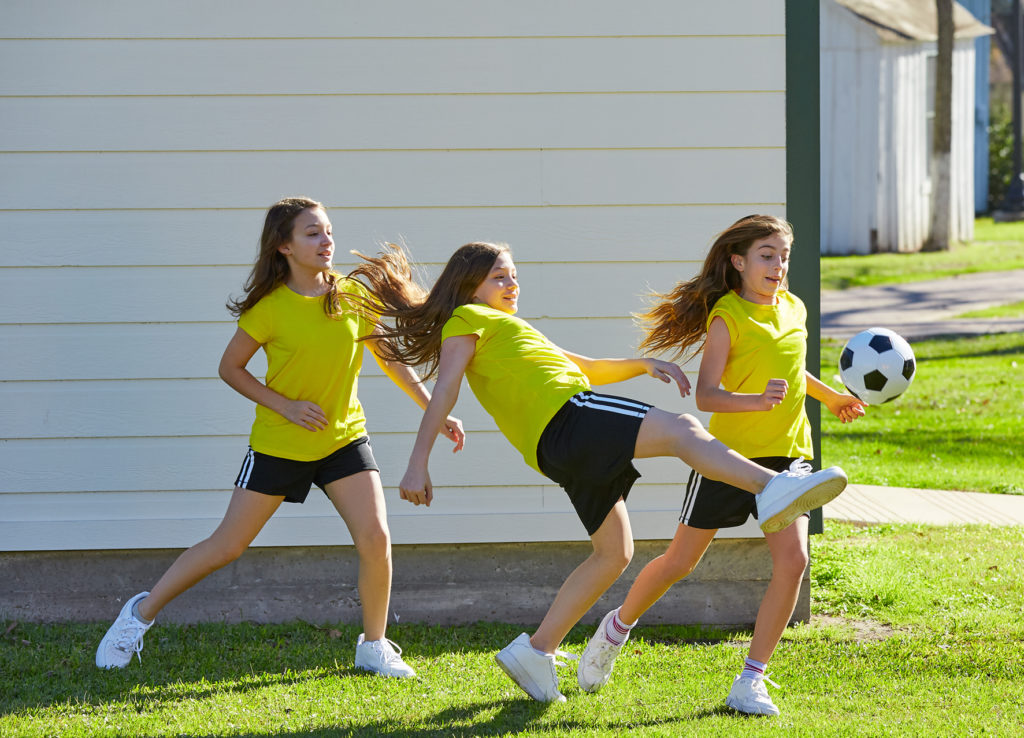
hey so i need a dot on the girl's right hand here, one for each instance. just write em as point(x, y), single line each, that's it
point(305, 414)
point(774, 393)
point(416, 487)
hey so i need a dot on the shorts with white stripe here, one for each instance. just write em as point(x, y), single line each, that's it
point(710, 504)
point(273, 475)
point(588, 447)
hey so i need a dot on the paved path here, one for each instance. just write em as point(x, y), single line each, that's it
point(922, 309)
point(919, 310)
point(864, 503)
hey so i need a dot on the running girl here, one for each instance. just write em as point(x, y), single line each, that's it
point(309, 427)
point(752, 378)
point(540, 397)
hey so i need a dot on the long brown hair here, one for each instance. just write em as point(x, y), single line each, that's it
point(418, 315)
point(271, 267)
point(677, 320)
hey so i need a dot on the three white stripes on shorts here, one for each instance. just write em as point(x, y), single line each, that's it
point(610, 404)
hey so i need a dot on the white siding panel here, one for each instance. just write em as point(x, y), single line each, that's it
point(390, 18)
point(177, 520)
point(169, 350)
point(204, 463)
point(328, 123)
point(464, 178)
point(196, 294)
point(391, 66)
point(221, 237)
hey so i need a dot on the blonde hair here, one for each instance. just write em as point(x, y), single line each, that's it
point(677, 320)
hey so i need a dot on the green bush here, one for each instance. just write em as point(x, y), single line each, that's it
point(1000, 153)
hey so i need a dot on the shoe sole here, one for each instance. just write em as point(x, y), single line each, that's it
point(813, 498)
point(384, 673)
point(748, 712)
point(508, 669)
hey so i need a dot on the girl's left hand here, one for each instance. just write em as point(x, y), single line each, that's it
point(666, 371)
point(846, 407)
point(452, 430)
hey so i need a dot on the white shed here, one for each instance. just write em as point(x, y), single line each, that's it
point(877, 93)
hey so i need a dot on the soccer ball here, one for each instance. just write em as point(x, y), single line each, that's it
point(877, 365)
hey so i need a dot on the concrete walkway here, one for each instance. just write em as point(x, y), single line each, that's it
point(922, 309)
point(865, 503)
point(919, 310)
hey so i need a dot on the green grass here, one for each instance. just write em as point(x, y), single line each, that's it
point(917, 631)
point(997, 247)
point(1013, 310)
point(958, 426)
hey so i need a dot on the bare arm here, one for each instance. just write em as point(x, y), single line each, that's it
point(710, 395)
point(845, 407)
point(456, 353)
point(232, 369)
point(609, 371)
point(410, 383)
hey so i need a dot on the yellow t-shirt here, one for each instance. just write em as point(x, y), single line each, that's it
point(768, 342)
point(517, 374)
point(313, 357)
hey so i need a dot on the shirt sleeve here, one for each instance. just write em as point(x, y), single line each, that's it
point(257, 323)
point(718, 311)
point(462, 323)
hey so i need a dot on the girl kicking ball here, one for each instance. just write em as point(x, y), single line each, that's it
point(540, 396)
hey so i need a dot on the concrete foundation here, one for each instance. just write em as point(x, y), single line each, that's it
point(448, 585)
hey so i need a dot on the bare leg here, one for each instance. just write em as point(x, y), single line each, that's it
point(246, 515)
point(613, 549)
point(359, 499)
point(667, 434)
point(681, 558)
point(789, 560)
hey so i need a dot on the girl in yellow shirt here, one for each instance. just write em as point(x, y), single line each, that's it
point(539, 395)
point(309, 427)
point(753, 380)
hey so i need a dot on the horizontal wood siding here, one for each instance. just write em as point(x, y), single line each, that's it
point(141, 143)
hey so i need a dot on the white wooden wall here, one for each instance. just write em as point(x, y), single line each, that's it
point(140, 143)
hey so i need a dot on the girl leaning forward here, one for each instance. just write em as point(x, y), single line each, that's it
point(541, 399)
point(309, 427)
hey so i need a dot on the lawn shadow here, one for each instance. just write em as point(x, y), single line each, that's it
point(493, 718)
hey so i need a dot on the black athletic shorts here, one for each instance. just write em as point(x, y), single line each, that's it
point(272, 475)
point(710, 504)
point(588, 447)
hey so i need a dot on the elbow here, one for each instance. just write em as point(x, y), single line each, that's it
point(703, 400)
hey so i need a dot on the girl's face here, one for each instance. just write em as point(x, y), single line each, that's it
point(311, 246)
point(763, 269)
point(500, 289)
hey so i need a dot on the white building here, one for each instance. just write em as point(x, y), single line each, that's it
point(877, 93)
point(143, 141)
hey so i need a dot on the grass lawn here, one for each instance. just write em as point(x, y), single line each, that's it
point(997, 247)
point(958, 426)
point(1013, 310)
point(917, 631)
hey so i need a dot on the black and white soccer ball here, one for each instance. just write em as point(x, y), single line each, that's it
point(877, 365)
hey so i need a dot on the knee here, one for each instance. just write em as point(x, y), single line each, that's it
point(676, 568)
point(791, 563)
point(222, 551)
point(374, 543)
point(617, 559)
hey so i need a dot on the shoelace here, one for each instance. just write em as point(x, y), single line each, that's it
point(388, 655)
point(131, 640)
point(768, 679)
point(801, 467)
point(563, 655)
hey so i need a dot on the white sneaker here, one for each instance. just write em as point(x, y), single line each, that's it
point(598, 659)
point(792, 493)
point(751, 697)
point(383, 657)
point(530, 669)
point(123, 638)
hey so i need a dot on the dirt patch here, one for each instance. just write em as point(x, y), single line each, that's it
point(863, 630)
